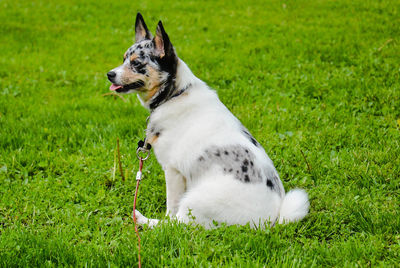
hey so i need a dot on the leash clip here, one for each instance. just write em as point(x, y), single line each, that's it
point(143, 150)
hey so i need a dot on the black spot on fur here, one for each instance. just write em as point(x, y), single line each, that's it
point(269, 184)
point(232, 160)
point(250, 137)
point(254, 141)
point(244, 168)
point(158, 134)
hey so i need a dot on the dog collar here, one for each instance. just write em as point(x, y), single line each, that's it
point(177, 94)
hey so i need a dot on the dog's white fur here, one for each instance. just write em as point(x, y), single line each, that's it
point(191, 123)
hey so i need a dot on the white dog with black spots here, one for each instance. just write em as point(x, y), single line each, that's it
point(215, 170)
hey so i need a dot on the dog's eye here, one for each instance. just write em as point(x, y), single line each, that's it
point(135, 63)
point(139, 67)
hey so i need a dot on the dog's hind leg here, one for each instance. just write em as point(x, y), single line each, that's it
point(226, 200)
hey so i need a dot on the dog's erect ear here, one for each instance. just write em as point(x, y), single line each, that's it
point(141, 31)
point(162, 44)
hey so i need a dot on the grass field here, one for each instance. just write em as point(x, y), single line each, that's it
point(313, 78)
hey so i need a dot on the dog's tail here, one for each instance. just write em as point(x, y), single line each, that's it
point(294, 206)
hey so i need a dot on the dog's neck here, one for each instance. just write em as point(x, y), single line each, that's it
point(184, 76)
point(183, 81)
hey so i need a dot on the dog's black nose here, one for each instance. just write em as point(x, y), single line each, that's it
point(111, 75)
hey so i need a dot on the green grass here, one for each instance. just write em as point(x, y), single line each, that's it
point(313, 77)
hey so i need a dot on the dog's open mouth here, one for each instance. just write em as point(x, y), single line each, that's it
point(125, 88)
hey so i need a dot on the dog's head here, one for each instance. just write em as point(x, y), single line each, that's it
point(149, 66)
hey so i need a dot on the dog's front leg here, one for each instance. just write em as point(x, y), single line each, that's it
point(176, 187)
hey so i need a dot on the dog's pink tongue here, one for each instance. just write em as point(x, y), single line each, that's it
point(114, 87)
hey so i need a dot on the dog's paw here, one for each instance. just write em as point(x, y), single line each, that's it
point(140, 219)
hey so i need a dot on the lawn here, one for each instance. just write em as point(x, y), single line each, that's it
point(317, 83)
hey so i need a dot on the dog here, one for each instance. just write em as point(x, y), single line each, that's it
point(215, 170)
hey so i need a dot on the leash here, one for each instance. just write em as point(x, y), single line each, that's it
point(143, 148)
point(143, 153)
